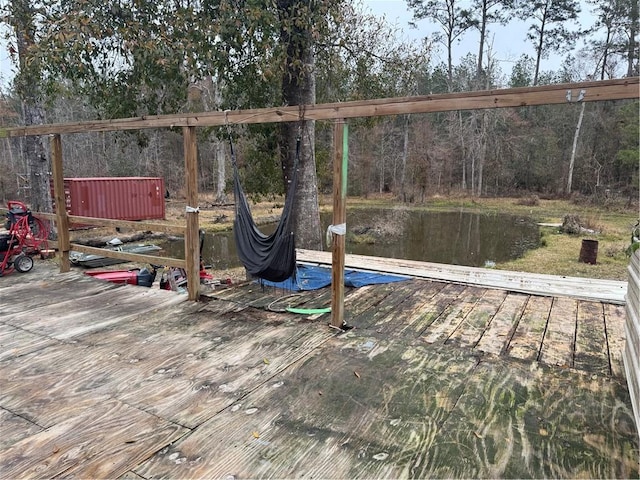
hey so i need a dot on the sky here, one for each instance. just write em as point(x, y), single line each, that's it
point(509, 41)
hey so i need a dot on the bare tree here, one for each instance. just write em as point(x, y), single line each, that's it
point(548, 30)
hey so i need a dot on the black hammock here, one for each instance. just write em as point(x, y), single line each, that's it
point(268, 257)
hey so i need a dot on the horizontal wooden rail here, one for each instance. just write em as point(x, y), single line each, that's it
point(45, 216)
point(136, 225)
point(130, 257)
point(616, 89)
point(112, 222)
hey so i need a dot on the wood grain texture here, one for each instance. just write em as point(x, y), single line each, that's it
point(631, 356)
point(49, 291)
point(105, 308)
point(592, 352)
point(291, 426)
point(502, 98)
point(615, 317)
point(515, 421)
point(471, 330)
point(101, 442)
point(410, 412)
point(559, 341)
point(446, 323)
point(610, 291)
point(499, 332)
point(160, 387)
point(529, 333)
point(15, 342)
point(14, 428)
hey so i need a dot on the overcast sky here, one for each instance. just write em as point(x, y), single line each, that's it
point(509, 42)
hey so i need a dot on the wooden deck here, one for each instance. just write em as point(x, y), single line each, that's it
point(435, 379)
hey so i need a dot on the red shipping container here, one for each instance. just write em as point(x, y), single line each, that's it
point(122, 198)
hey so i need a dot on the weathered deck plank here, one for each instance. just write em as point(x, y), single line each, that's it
point(50, 291)
point(101, 442)
point(437, 414)
point(559, 341)
point(104, 308)
point(445, 324)
point(498, 334)
point(443, 299)
point(412, 310)
point(318, 417)
point(15, 342)
point(219, 388)
point(513, 421)
point(14, 428)
point(529, 333)
point(399, 299)
point(610, 291)
point(614, 316)
point(591, 339)
point(472, 328)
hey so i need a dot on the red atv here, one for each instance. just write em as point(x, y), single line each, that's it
point(26, 236)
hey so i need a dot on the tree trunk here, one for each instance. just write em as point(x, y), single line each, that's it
point(633, 46)
point(483, 34)
point(221, 156)
point(299, 88)
point(574, 148)
point(463, 151)
point(540, 46)
point(405, 154)
point(483, 150)
point(28, 88)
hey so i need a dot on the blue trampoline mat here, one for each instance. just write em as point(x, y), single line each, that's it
point(310, 277)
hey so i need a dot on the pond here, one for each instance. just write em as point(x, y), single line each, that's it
point(456, 238)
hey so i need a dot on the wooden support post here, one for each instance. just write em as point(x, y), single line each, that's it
point(341, 153)
point(192, 234)
point(62, 219)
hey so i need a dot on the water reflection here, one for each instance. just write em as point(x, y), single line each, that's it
point(457, 238)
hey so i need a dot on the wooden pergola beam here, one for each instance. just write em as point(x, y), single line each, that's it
point(617, 89)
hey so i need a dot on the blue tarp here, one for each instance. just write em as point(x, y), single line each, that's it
point(309, 277)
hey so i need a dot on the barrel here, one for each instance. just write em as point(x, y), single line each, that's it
point(589, 251)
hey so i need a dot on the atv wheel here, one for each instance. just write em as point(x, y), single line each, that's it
point(23, 263)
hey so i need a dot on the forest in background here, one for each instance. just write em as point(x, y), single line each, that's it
point(158, 65)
